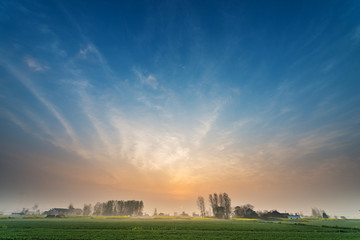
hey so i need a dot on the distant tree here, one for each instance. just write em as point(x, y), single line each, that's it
point(98, 209)
point(227, 205)
point(212, 203)
point(24, 211)
point(245, 211)
point(119, 208)
point(216, 201)
point(108, 208)
point(220, 212)
point(141, 208)
point(221, 200)
point(36, 210)
point(237, 211)
point(201, 204)
point(318, 213)
point(221, 205)
point(155, 213)
point(35, 207)
point(194, 214)
point(87, 209)
point(72, 210)
point(221, 208)
point(184, 214)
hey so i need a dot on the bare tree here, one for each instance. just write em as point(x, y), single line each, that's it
point(201, 204)
point(216, 200)
point(318, 213)
point(221, 205)
point(315, 212)
point(212, 204)
point(227, 205)
point(211, 201)
point(221, 200)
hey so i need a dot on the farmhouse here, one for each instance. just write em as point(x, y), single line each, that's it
point(294, 216)
point(17, 213)
point(63, 211)
point(283, 215)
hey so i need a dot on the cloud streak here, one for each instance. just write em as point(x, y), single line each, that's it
point(27, 83)
point(33, 64)
point(149, 80)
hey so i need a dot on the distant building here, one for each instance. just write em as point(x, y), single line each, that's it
point(294, 216)
point(17, 213)
point(284, 215)
point(57, 211)
point(63, 211)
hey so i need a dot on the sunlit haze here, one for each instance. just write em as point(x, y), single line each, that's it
point(163, 101)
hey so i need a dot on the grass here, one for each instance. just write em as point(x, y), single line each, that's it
point(348, 223)
point(35, 216)
point(175, 228)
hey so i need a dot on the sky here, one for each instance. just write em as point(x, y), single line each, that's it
point(164, 101)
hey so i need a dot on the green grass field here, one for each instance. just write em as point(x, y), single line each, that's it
point(167, 228)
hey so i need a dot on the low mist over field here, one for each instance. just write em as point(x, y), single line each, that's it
point(165, 101)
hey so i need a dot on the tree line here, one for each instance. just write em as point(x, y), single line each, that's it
point(109, 208)
point(247, 211)
point(220, 205)
point(118, 208)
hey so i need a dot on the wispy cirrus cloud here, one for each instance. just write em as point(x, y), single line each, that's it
point(84, 52)
point(148, 80)
point(91, 53)
point(206, 124)
point(35, 65)
point(28, 84)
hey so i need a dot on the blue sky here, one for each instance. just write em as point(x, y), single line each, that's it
point(168, 100)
